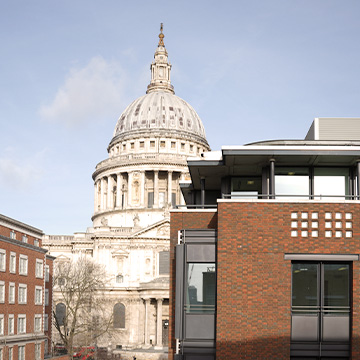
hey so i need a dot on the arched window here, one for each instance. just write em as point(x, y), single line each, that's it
point(119, 316)
point(60, 312)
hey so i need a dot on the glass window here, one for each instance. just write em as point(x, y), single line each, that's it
point(11, 353)
point(23, 265)
point(12, 262)
point(39, 268)
point(119, 316)
point(119, 279)
point(21, 324)
point(60, 313)
point(47, 273)
point(1, 324)
point(245, 187)
point(11, 325)
point(37, 351)
point(2, 260)
point(200, 287)
point(330, 182)
point(22, 295)
point(46, 297)
point(291, 182)
point(38, 295)
point(305, 285)
point(2, 291)
point(21, 352)
point(11, 293)
point(46, 322)
point(150, 199)
point(37, 323)
point(24, 239)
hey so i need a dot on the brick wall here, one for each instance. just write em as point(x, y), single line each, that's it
point(178, 221)
point(254, 280)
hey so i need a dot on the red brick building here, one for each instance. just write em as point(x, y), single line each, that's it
point(265, 256)
point(25, 292)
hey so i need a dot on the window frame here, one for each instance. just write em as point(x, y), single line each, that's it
point(2, 292)
point(12, 262)
point(11, 321)
point(37, 321)
point(12, 290)
point(38, 290)
point(23, 262)
point(21, 324)
point(22, 301)
point(2, 260)
point(2, 324)
point(39, 269)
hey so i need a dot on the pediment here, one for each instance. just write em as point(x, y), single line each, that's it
point(119, 254)
point(161, 229)
point(63, 258)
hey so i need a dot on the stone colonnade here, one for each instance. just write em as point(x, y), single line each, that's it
point(159, 326)
point(114, 191)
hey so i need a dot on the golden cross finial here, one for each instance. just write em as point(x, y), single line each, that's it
point(161, 36)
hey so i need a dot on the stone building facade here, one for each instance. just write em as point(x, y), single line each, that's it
point(134, 190)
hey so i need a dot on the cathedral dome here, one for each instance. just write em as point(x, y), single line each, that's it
point(160, 112)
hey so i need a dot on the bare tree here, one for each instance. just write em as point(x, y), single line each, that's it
point(80, 287)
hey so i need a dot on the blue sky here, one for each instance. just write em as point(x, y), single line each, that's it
point(253, 70)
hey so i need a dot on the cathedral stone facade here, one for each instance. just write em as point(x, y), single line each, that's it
point(134, 189)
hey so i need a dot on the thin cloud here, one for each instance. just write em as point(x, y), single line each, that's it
point(97, 90)
point(19, 173)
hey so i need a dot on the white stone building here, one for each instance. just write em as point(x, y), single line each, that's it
point(133, 191)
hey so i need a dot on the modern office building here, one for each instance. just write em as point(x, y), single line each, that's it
point(25, 292)
point(265, 254)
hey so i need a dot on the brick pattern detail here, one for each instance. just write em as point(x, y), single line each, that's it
point(254, 280)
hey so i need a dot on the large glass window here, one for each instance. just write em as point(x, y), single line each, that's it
point(320, 302)
point(292, 182)
point(330, 183)
point(245, 187)
point(200, 287)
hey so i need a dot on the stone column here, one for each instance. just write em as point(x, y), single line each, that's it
point(95, 197)
point(142, 188)
point(129, 194)
point(182, 200)
point(159, 343)
point(169, 187)
point(146, 332)
point(110, 192)
point(156, 189)
point(118, 189)
point(102, 183)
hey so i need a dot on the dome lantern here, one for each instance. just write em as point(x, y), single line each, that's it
point(160, 68)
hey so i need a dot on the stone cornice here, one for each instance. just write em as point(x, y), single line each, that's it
point(19, 226)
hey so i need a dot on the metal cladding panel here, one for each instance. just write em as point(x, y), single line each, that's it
point(201, 253)
point(179, 291)
point(200, 326)
point(201, 235)
point(339, 129)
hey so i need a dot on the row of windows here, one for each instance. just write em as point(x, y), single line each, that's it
point(118, 315)
point(21, 353)
point(23, 265)
point(151, 144)
point(22, 294)
point(24, 238)
point(21, 324)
